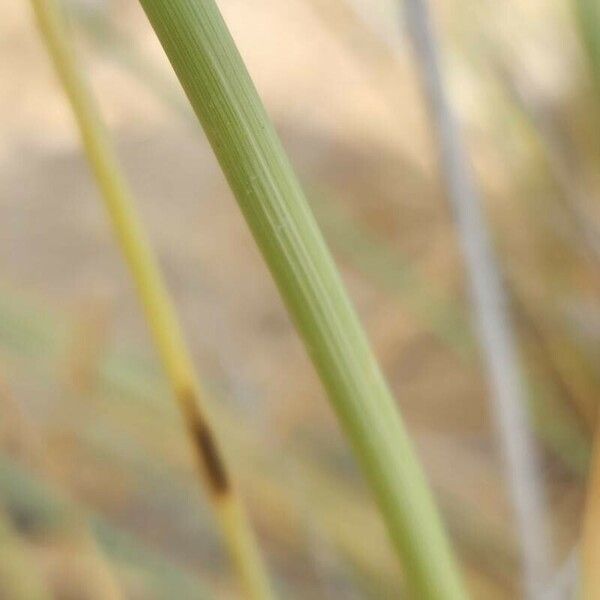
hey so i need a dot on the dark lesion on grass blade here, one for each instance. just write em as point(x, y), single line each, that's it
point(204, 441)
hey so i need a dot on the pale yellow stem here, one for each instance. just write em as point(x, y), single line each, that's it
point(160, 314)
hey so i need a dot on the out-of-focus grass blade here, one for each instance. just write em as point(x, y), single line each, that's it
point(25, 494)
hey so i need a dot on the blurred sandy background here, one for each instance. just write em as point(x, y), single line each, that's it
point(87, 418)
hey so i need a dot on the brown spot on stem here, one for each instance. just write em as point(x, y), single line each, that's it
point(208, 452)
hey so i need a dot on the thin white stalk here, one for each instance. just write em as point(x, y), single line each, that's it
point(494, 327)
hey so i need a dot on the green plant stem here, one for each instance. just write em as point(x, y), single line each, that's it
point(160, 314)
point(208, 65)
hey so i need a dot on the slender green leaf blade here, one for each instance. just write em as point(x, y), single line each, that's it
point(219, 88)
